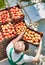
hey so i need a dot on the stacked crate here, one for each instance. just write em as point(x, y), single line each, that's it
point(8, 17)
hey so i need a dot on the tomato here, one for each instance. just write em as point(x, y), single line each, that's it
point(14, 33)
point(6, 37)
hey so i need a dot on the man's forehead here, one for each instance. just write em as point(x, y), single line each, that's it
point(19, 42)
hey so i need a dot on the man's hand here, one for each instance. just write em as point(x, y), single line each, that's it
point(40, 42)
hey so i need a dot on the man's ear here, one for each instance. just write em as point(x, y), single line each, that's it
point(26, 46)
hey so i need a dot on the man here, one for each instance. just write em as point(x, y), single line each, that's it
point(15, 51)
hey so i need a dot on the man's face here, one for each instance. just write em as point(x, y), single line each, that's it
point(20, 46)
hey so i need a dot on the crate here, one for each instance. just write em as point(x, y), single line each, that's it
point(14, 19)
point(3, 46)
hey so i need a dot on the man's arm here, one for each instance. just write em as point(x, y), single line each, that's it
point(27, 58)
point(36, 58)
point(18, 38)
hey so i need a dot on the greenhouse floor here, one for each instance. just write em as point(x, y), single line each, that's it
point(5, 62)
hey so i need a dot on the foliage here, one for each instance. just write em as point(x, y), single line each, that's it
point(2, 4)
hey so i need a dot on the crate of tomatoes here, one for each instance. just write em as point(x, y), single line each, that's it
point(16, 13)
point(31, 36)
point(11, 14)
point(9, 31)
